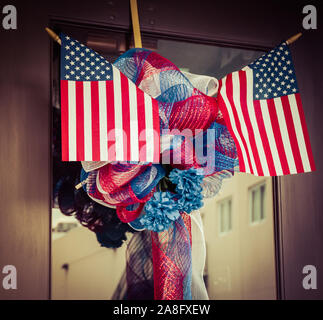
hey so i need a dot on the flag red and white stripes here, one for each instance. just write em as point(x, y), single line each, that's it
point(110, 120)
point(270, 134)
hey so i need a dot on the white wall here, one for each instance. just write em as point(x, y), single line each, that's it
point(94, 272)
point(240, 264)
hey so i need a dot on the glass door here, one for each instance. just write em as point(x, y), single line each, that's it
point(238, 222)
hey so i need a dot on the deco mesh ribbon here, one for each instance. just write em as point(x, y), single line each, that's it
point(172, 261)
point(162, 261)
point(182, 107)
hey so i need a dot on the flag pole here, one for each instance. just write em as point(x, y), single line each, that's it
point(135, 23)
point(56, 38)
point(293, 38)
point(53, 35)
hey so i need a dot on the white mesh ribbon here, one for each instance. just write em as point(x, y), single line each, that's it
point(206, 84)
point(198, 288)
point(93, 165)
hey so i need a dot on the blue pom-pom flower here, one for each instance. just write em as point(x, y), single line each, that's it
point(160, 212)
point(188, 189)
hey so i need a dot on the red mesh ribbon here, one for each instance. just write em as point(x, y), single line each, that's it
point(172, 260)
point(130, 215)
point(116, 189)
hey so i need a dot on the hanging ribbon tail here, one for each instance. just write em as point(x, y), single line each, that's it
point(172, 261)
point(199, 291)
point(139, 270)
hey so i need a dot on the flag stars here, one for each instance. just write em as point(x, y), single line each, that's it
point(83, 64)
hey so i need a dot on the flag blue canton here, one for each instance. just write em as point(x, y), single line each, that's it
point(79, 63)
point(274, 74)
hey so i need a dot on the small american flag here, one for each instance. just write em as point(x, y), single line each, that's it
point(104, 115)
point(262, 108)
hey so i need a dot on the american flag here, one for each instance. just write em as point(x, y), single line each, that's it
point(262, 108)
point(104, 115)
